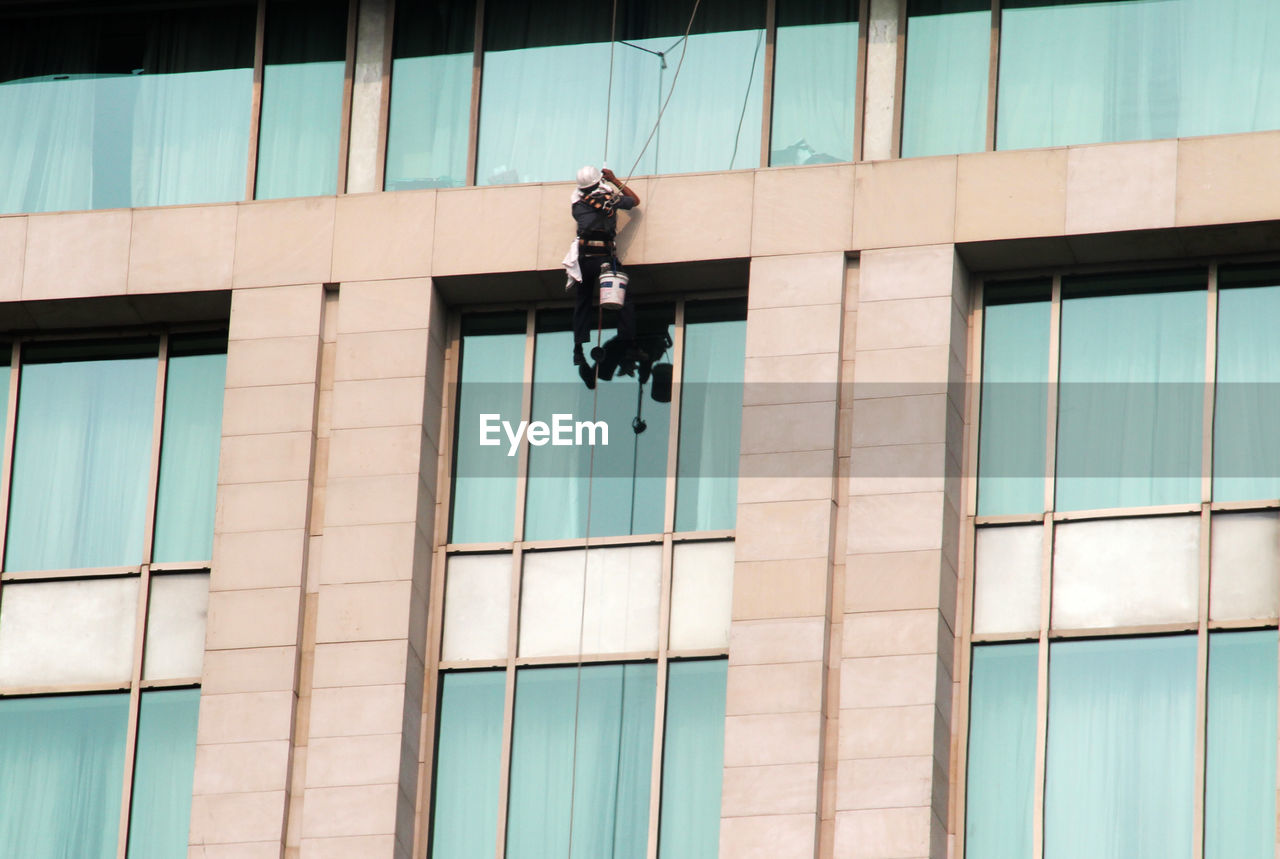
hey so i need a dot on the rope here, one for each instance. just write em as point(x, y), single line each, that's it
point(608, 103)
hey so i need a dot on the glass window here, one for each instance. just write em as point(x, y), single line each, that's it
point(468, 765)
point(1246, 459)
point(431, 73)
point(61, 767)
point(489, 383)
point(302, 81)
point(125, 107)
point(82, 456)
point(1131, 398)
point(190, 443)
point(1120, 777)
point(710, 415)
point(1002, 751)
point(1240, 757)
point(1015, 399)
point(625, 479)
point(1081, 71)
point(596, 784)
point(944, 101)
point(693, 759)
point(163, 772)
point(815, 71)
point(545, 99)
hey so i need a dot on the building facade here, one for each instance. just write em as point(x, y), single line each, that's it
point(959, 535)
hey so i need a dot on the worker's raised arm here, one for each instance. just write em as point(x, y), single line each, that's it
point(608, 174)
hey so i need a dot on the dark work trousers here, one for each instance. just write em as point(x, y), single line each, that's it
point(584, 312)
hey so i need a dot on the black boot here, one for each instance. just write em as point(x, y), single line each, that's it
point(585, 371)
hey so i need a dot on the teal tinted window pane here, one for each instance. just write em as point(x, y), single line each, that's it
point(1120, 779)
point(545, 99)
point(302, 77)
point(431, 75)
point(625, 482)
point(715, 342)
point(82, 456)
point(1074, 71)
point(489, 383)
point(1240, 756)
point(815, 76)
point(160, 812)
point(468, 764)
point(61, 767)
point(693, 759)
point(189, 449)
point(944, 101)
point(1015, 403)
point(1246, 458)
point(606, 796)
point(1131, 398)
point(125, 108)
point(1002, 752)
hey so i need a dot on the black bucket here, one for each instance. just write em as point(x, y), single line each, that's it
point(660, 389)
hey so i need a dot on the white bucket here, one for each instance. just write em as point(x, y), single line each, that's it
point(613, 289)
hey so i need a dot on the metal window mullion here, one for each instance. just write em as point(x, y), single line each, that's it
point(509, 700)
point(348, 90)
point(660, 699)
point(255, 114)
point(1046, 571)
point(766, 111)
point(10, 441)
point(477, 72)
point(673, 427)
point(993, 76)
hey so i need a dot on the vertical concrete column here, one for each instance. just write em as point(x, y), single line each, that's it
point(366, 704)
point(903, 543)
point(880, 105)
point(369, 91)
point(257, 583)
point(774, 712)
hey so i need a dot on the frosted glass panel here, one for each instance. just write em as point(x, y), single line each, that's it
point(175, 626)
point(36, 648)
point(1244, 565)
point(1007, 592)
point(1120, 774)
point(622, 595)
point(477, 607)
point(1120, 572)
point(701, 595)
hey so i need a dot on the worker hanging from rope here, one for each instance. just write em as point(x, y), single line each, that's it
point(595, 206)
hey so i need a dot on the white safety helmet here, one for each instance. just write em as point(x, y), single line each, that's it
point(588, 176)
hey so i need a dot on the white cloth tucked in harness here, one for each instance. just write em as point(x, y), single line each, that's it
point(570, 261)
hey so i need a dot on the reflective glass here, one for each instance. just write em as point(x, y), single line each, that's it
point(194, 380)
point(627, 489)
point(121, 107)
point(1002, 752)
point(468, 765)
point(1082, 71)
point(430, 94)
point(693, 759)
point(1120, 778)
point(598, 783)
point(82, 456)
point(1246, 458)
point(944, 100)
point(489, 383)
point(61, 768)
point(1015, 402)
point(1240, 755)
point(302, 77)
point(160, 810)
point(545, 100)
point(1131, 398)
point(815, 71)
point(715, 343)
